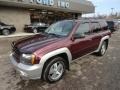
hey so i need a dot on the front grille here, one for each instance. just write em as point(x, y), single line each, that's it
point(17, 58)
point(16, 54)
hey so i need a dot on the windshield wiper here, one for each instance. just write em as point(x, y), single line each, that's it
point(53, 34)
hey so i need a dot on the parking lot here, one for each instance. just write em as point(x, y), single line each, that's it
point(89, 73)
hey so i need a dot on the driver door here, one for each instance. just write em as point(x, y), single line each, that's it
point(81, 46)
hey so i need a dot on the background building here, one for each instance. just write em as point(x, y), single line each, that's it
point(21, 12)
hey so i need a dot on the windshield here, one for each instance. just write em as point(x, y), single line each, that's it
point(62, 28)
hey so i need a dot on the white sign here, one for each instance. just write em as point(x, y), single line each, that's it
point(60, 3)
point(63, 4)
point(45, 2)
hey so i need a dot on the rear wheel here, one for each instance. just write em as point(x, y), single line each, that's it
point(35, 31)
point(54, 70)
point(103, 49)
point(6, 32)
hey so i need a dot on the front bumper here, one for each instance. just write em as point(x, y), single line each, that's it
point(27, 71)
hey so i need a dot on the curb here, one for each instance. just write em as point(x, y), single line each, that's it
point(17, 35)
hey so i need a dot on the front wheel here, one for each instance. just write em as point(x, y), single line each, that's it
point(54, 70)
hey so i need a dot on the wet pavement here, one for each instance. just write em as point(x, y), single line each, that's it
point(89, 73)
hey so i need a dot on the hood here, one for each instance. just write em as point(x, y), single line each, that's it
point(33, 43)
point(31, 26)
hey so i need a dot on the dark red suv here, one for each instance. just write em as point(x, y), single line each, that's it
point(48, 55)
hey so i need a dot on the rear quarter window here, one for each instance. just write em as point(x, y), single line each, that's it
point(104, 25)
point(95, 26)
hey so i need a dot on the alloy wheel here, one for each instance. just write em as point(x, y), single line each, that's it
point(56, 71)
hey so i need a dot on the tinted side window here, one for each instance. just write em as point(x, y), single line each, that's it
point(83, 29)
point(110, 24)
point(95, 27)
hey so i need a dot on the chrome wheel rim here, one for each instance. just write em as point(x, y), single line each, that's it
point(103, 49)
point(56, 71)
point(5, 32)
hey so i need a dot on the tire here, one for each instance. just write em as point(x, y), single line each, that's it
point(103, 49)
point(5, 32)
point(35, 30)
point(52, 73)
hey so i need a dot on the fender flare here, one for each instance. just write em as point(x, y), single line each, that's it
point(49, 55)
point(102, 40)
point(56, 52)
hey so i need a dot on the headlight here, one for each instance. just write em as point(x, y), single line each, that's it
point(28, 59)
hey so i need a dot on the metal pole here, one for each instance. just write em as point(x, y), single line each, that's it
point(112, 11)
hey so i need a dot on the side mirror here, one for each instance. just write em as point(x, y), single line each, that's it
point(78, 36)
